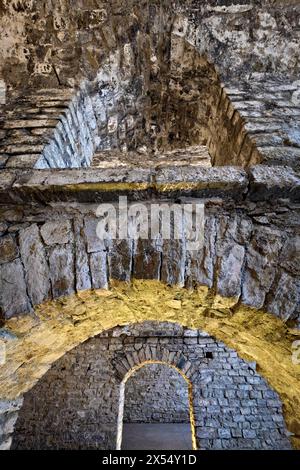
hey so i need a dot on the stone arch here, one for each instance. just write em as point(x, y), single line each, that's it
point(168, 360)
point(231, 406)
point(34, 343)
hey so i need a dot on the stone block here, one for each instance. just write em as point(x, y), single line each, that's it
point(83, 277)
point(13, 294)
point(35, 264)
point(8, 249)
point(57, 233)
point(61, 262)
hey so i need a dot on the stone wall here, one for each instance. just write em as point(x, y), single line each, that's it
point(8, 416)
point(233, 406)
point(249, 255)
point(169, 110)
point(156, 393)
point(146, 80)
point(55, 45)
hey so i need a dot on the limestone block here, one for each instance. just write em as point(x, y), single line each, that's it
point(8, 249)
point(173, 262)
point(120, 260)
point(23, 160)
point(35, 264)
point(200, 264)
point(83, 278)
point(284, 297)
point(94, 243)
point(147, 259)
point(61, 261)
point(57, 233)
point(260, 265)
point(29, 123)
point(230, 270)
point(98, 265)
point(273, 181)
point(13, 294)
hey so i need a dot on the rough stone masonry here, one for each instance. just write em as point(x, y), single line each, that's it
point(233, 406)
point(160, 102)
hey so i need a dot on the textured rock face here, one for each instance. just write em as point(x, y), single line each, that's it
point(250, 254)
point(149, 97)
point(239, 36)
point(13, 294)
point(148, 83)
point(8, 417)
point(8, 249)
point(35, 263)
point(233, 406)
point(59, 326)
point(156, 394)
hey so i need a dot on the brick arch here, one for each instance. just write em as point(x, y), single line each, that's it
point(124, 364)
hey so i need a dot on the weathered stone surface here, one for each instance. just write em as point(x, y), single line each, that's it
point(3, 227)
point(98, 265)
point(120, 260)
point(13, 294)
point(6, 179)
point(147, 259)
point(231, 261)
point(290, 255)
point(3, 160)
point(260, 265)
point(96, 368)
point(8, 417)
point(253, 229)
point(35, 264)
point(94, 243)
point(281, 155)
point(218, 179)
point(23, 160)
point(83, 278)
point(56, 233)
point(284, 298)
point(61, 262)
point(173, 262)
point(270, 182)
point(8, 249)
point(200, 264)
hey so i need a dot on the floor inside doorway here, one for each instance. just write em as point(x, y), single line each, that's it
point(171, 436)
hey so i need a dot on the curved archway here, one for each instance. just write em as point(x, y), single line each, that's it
point(34, 343)
point(122, 399)
point(233, 406)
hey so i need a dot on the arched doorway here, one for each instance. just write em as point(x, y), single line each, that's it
point(76, 404)
point(156, 409)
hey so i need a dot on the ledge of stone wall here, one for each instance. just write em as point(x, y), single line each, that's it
point(259, 183)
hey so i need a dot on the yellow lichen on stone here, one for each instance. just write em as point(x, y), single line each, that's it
point(36, 341)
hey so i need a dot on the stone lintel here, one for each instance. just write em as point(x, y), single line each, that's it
point(93, 185)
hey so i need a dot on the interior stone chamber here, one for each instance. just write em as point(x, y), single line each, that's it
point(232, 406)
point(162, 103)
